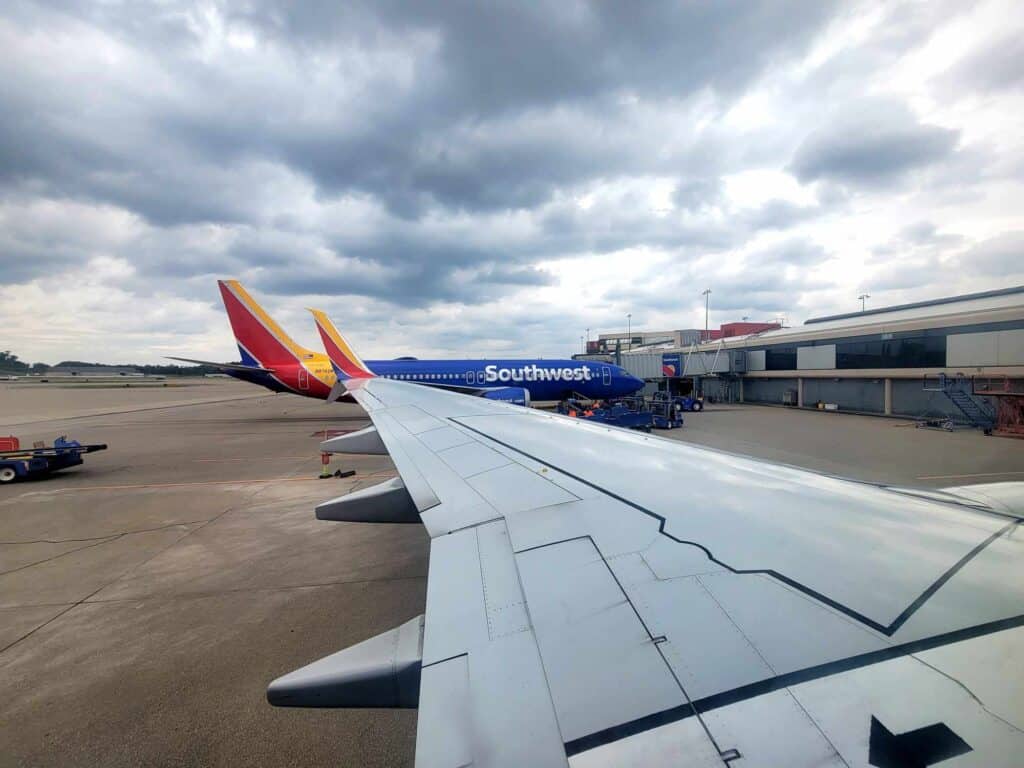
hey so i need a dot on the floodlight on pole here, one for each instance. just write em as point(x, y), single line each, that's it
point(629, 331)
point(707, 302)
point(863, 299)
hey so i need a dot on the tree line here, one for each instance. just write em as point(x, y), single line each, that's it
point(10, 364)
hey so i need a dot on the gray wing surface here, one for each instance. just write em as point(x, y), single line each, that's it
point(602, 597)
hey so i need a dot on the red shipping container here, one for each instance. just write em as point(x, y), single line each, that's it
point(9, 443)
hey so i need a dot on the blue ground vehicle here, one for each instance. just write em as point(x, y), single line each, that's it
point(26, 462)
point(644, 414)
point(684, 402)
point(628, 413)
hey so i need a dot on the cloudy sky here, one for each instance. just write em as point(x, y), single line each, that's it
point(478, 178)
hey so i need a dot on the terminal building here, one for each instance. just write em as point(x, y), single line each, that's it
point(608, 344)
point(879, 361)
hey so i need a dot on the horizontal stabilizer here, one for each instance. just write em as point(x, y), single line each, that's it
point(383, 671)
point(364, 441)
point(387, 502)
point(224, 366)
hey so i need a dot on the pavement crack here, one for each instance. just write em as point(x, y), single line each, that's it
point(62, 554)
point(120, 576)
point(111, 536)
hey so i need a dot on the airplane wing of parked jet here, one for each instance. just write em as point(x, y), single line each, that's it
point(598, 597)
point(224, 366)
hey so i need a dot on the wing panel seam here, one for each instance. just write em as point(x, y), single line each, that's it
point(768, 685)
point(887, 630)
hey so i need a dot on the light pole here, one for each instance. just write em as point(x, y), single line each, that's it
point(707, 301)
point(863, 298)
point(629, 331)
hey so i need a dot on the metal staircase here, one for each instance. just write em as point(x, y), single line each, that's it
point(958, 389)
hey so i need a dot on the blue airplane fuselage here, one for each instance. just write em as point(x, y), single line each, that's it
point(544, 379)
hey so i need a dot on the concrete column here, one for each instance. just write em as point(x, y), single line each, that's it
point(741, 389)
point(888, 397)
point(800, 392)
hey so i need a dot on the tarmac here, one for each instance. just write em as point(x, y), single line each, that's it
point(149, 596)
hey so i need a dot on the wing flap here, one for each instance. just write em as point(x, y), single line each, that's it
point(602, 664)
point(444, 726)
point(482, 669)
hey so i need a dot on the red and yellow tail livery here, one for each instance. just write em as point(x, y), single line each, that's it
point(264, 344)
point(345, 362)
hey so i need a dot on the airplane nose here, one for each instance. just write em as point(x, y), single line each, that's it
point(632, 382)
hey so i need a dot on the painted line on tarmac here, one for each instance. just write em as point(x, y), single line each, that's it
point(200, 483)
point(976, 474)
point(262, 458)
point(143, 409)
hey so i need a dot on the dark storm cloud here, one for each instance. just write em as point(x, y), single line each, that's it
point(870, 144)
point(407, 284)
point(454, 131)
point(502, 57)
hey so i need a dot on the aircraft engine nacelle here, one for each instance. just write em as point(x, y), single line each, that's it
point(514, 395)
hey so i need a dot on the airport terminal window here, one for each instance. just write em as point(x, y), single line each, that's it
point(915, 352)
point(780, 359)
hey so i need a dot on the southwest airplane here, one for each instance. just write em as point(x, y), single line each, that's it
point(273, 360)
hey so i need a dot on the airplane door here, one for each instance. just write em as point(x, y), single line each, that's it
point(471, 377)
point(303, 378)
point(606, 375)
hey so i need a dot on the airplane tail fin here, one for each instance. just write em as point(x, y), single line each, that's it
point(261, 341)
point(346, 363)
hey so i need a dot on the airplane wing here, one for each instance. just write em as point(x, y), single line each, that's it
point(598, 597)
point(225, 366)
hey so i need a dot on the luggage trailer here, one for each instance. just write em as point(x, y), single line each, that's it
point(18, 463)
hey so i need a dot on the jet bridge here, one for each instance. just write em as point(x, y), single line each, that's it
point(686, 363)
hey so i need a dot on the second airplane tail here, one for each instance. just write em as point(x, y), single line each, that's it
point(261, 341)
point(346, 363)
